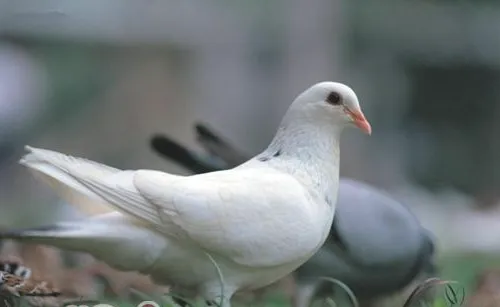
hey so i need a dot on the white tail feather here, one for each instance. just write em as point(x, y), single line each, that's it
point(52, 167)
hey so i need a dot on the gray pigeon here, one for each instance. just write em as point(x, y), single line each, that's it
point(376, 245)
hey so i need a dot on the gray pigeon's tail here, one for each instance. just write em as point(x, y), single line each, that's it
point(429, 254)
point(222, 154)
point(218, 147)
point(172, 150)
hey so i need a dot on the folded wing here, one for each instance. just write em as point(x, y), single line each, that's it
point(252, 216)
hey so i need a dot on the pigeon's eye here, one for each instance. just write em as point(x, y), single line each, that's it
point(333, 99)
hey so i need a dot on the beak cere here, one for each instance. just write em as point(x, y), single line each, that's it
point(358, 119)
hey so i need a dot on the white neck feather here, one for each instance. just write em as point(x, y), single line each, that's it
point(307, 150)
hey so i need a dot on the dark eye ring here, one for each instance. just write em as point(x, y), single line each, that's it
point(333, 98)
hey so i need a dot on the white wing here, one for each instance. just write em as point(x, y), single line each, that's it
point(255, 217)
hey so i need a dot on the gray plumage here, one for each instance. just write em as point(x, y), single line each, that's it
point(376, 246)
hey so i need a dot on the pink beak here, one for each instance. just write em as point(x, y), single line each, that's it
point(360, 121)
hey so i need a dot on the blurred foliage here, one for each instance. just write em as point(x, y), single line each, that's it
point(76, 72)
point(456, 135)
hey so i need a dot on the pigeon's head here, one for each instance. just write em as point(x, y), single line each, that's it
point(332, 101)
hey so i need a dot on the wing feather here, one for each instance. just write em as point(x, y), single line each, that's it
point(254, 216)
point(125, 197)
point(233, 213)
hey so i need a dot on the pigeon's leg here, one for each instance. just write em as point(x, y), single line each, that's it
point(215, 303)
point(304, 293)
point(180, 302)
point(182, 297)
point(214, 297)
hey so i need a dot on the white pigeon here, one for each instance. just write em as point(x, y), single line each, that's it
point(365, 258)
point(258, 221)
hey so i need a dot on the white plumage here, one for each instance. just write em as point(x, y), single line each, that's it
point(259, 221)
point(389, 253)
